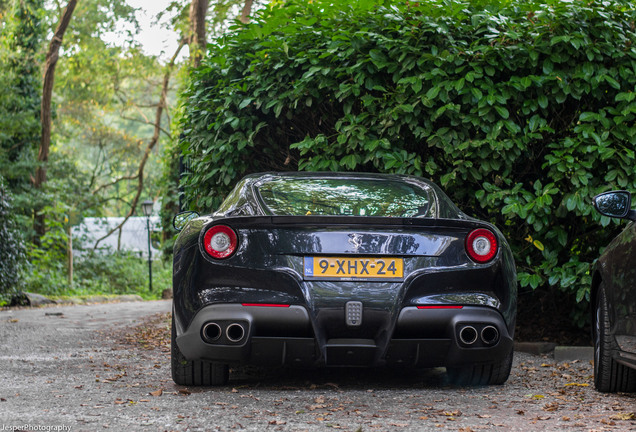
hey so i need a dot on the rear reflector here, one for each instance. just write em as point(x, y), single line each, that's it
point(266, 305)
point(440, 307)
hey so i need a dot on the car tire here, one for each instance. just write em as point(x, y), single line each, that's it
point(609, 375)
point(195, 372)
point(496, 373)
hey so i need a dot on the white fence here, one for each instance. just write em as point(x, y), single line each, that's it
point(134, 235)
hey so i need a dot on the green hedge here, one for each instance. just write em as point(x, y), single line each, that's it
point(521, 111)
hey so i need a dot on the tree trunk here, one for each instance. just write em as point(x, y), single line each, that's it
point(45, 114)
point(247, 10)
point(197, 42)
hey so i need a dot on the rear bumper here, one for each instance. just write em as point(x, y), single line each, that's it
point(277, 336)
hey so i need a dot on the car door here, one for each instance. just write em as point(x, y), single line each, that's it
point(619, 267)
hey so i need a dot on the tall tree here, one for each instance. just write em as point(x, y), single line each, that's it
point(197, 42)
point(47, 91)
point(246, 11)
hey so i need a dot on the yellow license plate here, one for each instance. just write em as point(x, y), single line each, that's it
point(353, 268)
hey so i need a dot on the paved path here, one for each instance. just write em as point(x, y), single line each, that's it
point(98, 368)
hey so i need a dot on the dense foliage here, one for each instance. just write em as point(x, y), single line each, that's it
point(12, 258)
point(21, 38)
point(522, 111)
point(105, 99)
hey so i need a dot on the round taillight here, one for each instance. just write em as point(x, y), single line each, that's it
point(481, 245)
point(220, 241)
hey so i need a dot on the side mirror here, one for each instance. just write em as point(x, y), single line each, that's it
point(616, 204)
point(181, 219)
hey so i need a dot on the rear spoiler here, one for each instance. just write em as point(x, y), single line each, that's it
point(344, 221)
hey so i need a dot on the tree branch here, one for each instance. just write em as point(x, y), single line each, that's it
point(114, 182)
point(147, 122)
point(151, 144)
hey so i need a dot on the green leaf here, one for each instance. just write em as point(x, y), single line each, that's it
point(503, 112)
point(245, 102)
point(432, 92)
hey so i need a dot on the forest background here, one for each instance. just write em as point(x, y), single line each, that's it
point(522, 111)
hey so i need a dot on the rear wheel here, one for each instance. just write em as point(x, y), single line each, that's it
point(495, 373)
point(609, 375)
point(195, 372)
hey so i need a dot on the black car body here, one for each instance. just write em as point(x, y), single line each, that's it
point(341, 269)
point(613, 298)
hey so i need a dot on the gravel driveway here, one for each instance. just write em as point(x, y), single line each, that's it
point(106, 366)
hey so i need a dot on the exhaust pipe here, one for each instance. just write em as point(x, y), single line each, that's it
point(468, 335)
point(211, 332)
point(490, 335)
point(235, 332)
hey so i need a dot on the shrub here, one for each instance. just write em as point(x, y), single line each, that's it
point(12, 255)
point(98, 273)
point(522, 111)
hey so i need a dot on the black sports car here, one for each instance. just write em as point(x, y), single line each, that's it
point(614, 300)
point(341, 269)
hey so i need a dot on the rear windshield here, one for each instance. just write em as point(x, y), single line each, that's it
point(352, 197)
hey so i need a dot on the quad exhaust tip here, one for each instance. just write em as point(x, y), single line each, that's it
point(235, 332)
point(490, 335)
point(468, 335)
point(213, 332)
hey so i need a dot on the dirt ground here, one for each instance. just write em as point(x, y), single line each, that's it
point(106, 367)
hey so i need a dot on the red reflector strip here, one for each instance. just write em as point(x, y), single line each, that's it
point(265, 305)
point(440, 307)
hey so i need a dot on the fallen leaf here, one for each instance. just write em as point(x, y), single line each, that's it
point(156, 393)
point(277, 422)
point(185, 392)
point(551, 406)
point(577, 385)
point(624, 416)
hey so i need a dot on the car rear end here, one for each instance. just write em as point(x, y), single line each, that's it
point(346, 292)
point(345, 270)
